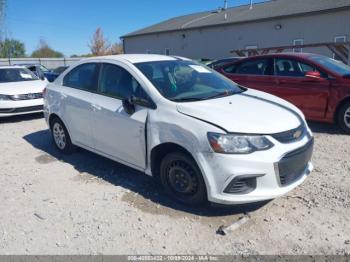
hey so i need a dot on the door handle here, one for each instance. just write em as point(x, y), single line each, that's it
point(95, 107)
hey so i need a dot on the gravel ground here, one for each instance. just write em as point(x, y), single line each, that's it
point(86, 204)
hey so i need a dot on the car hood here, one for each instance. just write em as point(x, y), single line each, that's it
point(24, 87)
point(251, 112)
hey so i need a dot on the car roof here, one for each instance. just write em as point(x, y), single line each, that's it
point(138, 58)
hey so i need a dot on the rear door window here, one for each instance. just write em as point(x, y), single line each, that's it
point(84, 77)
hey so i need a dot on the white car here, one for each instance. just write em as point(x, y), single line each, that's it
point(21, 92)
point(202, 135)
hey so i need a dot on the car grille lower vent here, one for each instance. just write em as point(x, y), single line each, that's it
point(241, 185)
point(21, 109)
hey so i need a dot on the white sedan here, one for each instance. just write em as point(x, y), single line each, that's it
point(203, 136)
point(20, 91)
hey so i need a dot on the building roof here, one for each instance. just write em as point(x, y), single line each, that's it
point(242, 14)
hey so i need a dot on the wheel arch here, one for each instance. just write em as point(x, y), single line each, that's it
point(52, 117)
point(160, 151)
point(339, 106)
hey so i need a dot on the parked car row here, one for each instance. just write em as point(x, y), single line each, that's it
point(203, 136)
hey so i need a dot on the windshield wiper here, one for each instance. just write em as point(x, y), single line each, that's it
point(218, 95)
point(187, 99)
point(222, 94)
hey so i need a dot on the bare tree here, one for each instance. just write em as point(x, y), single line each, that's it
point(44, 50)
point(116, 48)
point(2, 17)
point(99, 45)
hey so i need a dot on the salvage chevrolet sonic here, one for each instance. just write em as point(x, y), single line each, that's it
point(203, 136)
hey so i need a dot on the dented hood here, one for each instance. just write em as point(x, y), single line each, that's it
point(251, 112)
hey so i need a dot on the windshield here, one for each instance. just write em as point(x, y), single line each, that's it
point(187, 81)
point(333, 65)
point(16, 75)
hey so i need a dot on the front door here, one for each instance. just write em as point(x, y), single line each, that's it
point(116, 133)
point(310, 95)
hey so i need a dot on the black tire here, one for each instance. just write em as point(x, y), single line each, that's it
point(64, 143)
point(344, 117)
point(182, 179)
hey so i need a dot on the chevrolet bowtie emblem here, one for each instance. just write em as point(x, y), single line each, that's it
point(297, 134)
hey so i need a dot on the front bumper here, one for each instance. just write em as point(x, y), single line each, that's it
point(220, 170)
point(12, 108)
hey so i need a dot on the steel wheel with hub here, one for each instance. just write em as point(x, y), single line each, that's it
point(182, 179)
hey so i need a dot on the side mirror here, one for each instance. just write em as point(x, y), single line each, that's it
point(313, 75)
point(128, 105)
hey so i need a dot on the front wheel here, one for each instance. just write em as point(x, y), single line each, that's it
point(61, 137)
point(344, 117)
point(182, 179)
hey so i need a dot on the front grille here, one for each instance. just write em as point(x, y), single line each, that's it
point(21, 109)
point(292, 166)
point(291, 135)
point(26, 96)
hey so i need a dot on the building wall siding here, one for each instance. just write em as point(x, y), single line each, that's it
point(217, 42)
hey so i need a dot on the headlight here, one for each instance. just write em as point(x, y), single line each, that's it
point(238, 144)
point(4, 97)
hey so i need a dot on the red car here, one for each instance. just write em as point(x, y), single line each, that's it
point(318, 85)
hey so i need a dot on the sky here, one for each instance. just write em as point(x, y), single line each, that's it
point(67, 25)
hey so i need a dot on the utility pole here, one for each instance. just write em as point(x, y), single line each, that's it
point(251, 5)
point(225, 8)
point(225, 4)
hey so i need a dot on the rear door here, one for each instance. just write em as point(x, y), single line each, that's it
point(76, 98)
point(310, 95)
point(116, 133)
point(256, 73)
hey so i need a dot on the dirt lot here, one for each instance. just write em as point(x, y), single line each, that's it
point(86, 204)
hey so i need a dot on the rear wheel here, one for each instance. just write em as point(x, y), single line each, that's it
point(344, 117)
point(182, 179)
point(61, 137)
